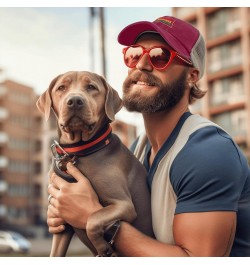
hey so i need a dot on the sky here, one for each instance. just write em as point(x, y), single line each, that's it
point(41, 39)
point(39, 43)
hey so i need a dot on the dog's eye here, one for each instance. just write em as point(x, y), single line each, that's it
point(91, 87)
point(61, 88)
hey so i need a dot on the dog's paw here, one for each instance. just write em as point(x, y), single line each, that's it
point(108, 252)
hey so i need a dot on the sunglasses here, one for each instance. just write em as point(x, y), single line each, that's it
point(159, 57)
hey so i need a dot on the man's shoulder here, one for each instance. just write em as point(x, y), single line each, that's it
point(210, 149)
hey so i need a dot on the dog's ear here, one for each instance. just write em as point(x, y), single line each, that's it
point(113, 102)
point(44, 102)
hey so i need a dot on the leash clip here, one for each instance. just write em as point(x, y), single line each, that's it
point(54, 152)
point(62, 160)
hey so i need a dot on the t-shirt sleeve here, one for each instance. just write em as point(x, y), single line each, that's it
point(206, 175)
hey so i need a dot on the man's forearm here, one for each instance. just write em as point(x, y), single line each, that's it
point(130, 242)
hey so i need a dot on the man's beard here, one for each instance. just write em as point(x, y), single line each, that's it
point(166, 98)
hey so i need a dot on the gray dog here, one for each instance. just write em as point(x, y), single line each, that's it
point(85, 104)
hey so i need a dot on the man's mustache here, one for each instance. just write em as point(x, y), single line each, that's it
point(143, 77)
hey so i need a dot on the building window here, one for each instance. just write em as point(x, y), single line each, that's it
point(18, 190)
point(19, 144)
point(16, 213)
point(233, 122)
point(20, 98)
point(37, 190)
point(37, 146)
point(227, 91)
point(224, 21)
point(37, 168)
point(21, 167)
point(224, 56)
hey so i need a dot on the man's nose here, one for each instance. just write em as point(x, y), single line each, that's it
point(144, 63)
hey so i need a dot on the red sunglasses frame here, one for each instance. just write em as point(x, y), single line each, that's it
point(173, 54)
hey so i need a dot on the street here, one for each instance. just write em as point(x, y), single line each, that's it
point(40, 247)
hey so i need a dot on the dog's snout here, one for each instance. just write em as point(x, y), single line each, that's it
point(75, 102)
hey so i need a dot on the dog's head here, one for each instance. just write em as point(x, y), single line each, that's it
point(82, 102)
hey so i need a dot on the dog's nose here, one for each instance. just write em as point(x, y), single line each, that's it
point(75, 102)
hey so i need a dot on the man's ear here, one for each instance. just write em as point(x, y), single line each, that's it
point(113, 102)
point(192, 76)
point(44, 102)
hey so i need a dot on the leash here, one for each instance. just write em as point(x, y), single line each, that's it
point(64, 153)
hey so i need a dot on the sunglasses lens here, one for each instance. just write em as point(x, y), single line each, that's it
point(132, 56)
point(159, 57)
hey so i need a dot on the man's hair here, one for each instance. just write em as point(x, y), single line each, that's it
point(196, 93)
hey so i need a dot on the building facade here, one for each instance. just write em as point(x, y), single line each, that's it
point(20, 156)
point(227, 77)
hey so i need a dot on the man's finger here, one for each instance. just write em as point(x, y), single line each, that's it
point(56, 230)
point(52, 201)
point(56, 225)
point(57, 181)
point(50, 212)
point(53, 192)
point(74, 172)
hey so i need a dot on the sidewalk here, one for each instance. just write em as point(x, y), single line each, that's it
point(42, 246)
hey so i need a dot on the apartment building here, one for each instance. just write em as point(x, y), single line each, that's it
point(227, 78)
point(20, 156)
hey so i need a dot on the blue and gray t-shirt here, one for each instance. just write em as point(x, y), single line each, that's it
point(198, 169)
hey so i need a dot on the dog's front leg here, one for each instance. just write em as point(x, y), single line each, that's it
point(60, 242)
point(100, 220)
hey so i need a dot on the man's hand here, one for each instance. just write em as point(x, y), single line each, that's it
point(71, 202)
point(56, 224)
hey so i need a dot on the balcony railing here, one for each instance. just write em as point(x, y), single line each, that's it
point(3, 186)
point(233, 122)
point(3, 162)
point(3, 211)
point(3, 138)
point(3, 113)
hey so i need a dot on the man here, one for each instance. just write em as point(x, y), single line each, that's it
point(198, 177)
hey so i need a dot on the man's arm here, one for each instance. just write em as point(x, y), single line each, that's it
point(207, 234)
point(195, 234)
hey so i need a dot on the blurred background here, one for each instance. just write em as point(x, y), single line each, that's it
point(37, 44)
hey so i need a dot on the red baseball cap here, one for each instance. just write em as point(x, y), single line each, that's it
point(180, 35)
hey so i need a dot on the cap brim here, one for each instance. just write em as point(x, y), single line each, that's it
point(129, 35)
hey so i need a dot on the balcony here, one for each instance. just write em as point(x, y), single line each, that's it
point(3, 186)
point(3, 162)
point(3, 113)
point(3, 138)
point(222, 22)
point(226, 56)
point(234, 122)
point(3, 211)
point(227, 91)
